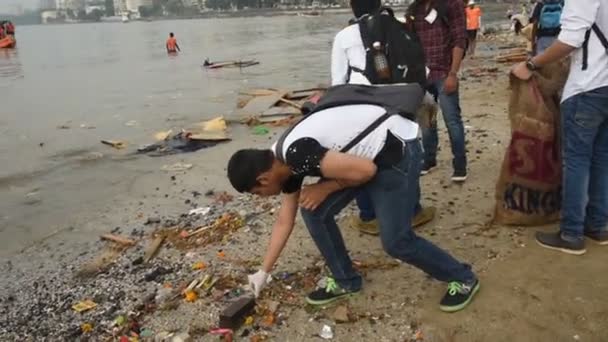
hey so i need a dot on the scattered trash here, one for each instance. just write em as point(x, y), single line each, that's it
point(326, 333)
point(131, 123)
point(233, 315)
point(222, 197)
point(118, 239)
point(153, 248)
point(221, 254)
point(83, 306)
point(190, 296)
point(268, 320)
point(260, 130)
point(63, 127)
point(199, 266)
point(160, 136)
point(225, 333)
point(86, 328)
point(341, 314)
point(576, 337)
point(146, 333)
point(274, 106)
point(117, 144)
point(181, 337)
point(200, 211)
point(177, 167)
point(120, 321)
point(418, 336)
point(183, 142)
point(249, 320)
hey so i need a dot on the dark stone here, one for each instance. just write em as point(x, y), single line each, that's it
point(152, 220)
point(138, 261)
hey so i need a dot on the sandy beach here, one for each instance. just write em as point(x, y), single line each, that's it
point(527, 293)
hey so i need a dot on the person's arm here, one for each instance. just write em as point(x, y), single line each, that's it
point(339, 63)
point(281, 230)
point(457, 27)
point(347, 169)
point(576, 19)
point(340, 171)
point(177, 47)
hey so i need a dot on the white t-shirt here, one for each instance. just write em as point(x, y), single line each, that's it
point(348, 50)
point(335, 127)
point(577, 18)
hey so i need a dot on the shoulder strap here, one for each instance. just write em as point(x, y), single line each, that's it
point(279, 146)
point(278, 149)
point(366, 132)
point(600, 35)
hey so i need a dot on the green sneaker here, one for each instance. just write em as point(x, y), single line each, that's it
point(331, 293)
point(458, 296)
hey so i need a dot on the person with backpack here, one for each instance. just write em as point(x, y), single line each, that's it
point(440, 25)
point(376, 149)
point(584, 115)
point(546, 24)
point(349, 63)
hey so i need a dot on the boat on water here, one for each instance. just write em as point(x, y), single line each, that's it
point(8, 42)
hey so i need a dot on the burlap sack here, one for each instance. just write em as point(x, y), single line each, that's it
point(528, 191)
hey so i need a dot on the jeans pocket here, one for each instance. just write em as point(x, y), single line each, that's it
point(586, 118)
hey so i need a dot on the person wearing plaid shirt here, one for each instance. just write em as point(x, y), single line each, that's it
point(441, 26)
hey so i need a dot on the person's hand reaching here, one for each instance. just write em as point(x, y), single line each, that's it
point(258, 281)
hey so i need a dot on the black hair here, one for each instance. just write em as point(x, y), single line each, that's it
point(171, 34)
point(362, 7)
point(245, 166)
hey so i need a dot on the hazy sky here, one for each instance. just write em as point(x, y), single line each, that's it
point(6, 5)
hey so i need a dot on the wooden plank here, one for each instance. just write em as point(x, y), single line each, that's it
point(291, 103)
point(118, 239)
point(259, 104)
point(258, 92)
point(153, 248)
point(280, 111)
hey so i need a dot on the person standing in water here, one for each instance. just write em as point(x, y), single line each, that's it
point(172, 46)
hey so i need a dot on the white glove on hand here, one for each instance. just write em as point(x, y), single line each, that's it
point(258, 281)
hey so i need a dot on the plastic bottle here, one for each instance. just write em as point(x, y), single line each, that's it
point(380, 62)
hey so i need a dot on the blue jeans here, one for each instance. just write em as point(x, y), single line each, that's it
point(394, 194)
point(366, 207)
point(585, 163)
point(450, 109)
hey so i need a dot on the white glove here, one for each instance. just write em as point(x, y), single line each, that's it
point(258, 281)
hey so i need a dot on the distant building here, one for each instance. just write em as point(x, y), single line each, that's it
point(47, 5)
point(133, 5)
point(74, 5)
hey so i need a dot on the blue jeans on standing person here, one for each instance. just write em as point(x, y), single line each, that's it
point(394, 193)
point(585, 163)
point(450, 109)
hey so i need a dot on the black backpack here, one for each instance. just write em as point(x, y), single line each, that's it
point(397, 99)
point(402, 49)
